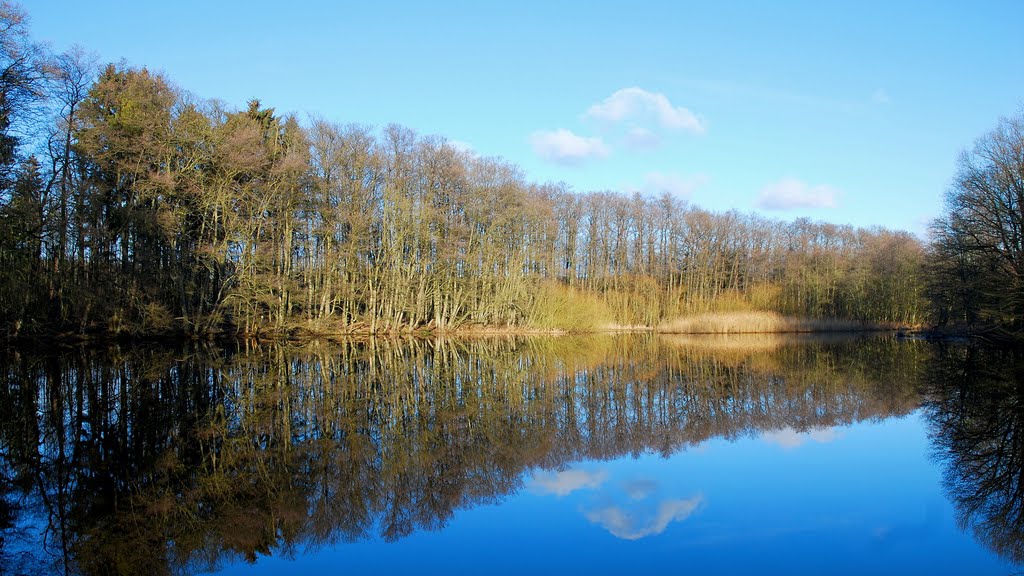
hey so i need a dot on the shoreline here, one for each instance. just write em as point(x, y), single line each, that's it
point(303, 335)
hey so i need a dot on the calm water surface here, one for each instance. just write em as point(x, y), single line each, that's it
point(547, 455)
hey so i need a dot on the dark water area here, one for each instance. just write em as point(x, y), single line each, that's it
point(597, 455)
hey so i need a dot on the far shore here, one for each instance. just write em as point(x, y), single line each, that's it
point(703, 324)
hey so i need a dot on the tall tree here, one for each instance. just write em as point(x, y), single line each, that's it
point(977, 253)
point(72, 75)
point(124, 142)
point(23, 74)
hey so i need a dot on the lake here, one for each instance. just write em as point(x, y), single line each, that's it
point(600, 455)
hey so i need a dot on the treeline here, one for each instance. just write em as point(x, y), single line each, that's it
point(129, 206)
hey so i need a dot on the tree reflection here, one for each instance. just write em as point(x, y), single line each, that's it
point(976, 406)
point(179, 461)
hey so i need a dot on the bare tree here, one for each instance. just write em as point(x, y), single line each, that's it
point(983, 231)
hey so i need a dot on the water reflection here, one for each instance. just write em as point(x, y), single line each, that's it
point(565, 482)
point(142, 461)
point(789, 438)
point(637, 522)
point(976, 406)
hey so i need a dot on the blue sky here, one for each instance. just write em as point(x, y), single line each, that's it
point(846, 112)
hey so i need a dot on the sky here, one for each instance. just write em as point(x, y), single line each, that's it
point(847, 112)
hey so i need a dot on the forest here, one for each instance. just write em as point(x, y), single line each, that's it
point(129, 206)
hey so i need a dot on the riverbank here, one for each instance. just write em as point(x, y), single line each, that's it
point(750, 322)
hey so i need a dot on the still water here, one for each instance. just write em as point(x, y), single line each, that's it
point(598, 455)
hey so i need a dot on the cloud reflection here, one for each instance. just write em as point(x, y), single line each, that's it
point(791, 438)
point(639, 489)
point(566, 482)
point(639, 523)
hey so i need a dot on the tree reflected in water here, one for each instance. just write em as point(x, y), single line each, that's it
point(165, 462)
point(976, 406)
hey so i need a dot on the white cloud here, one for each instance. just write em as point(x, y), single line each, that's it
point(564, 147)
point(642, 138)
point(921, 226)
point(658, 183)
point(463, 147)
point(790, 438)
point(880, 96)
point(791, 193)
point(566, 482)
point(639, 104)
point(634, 525)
